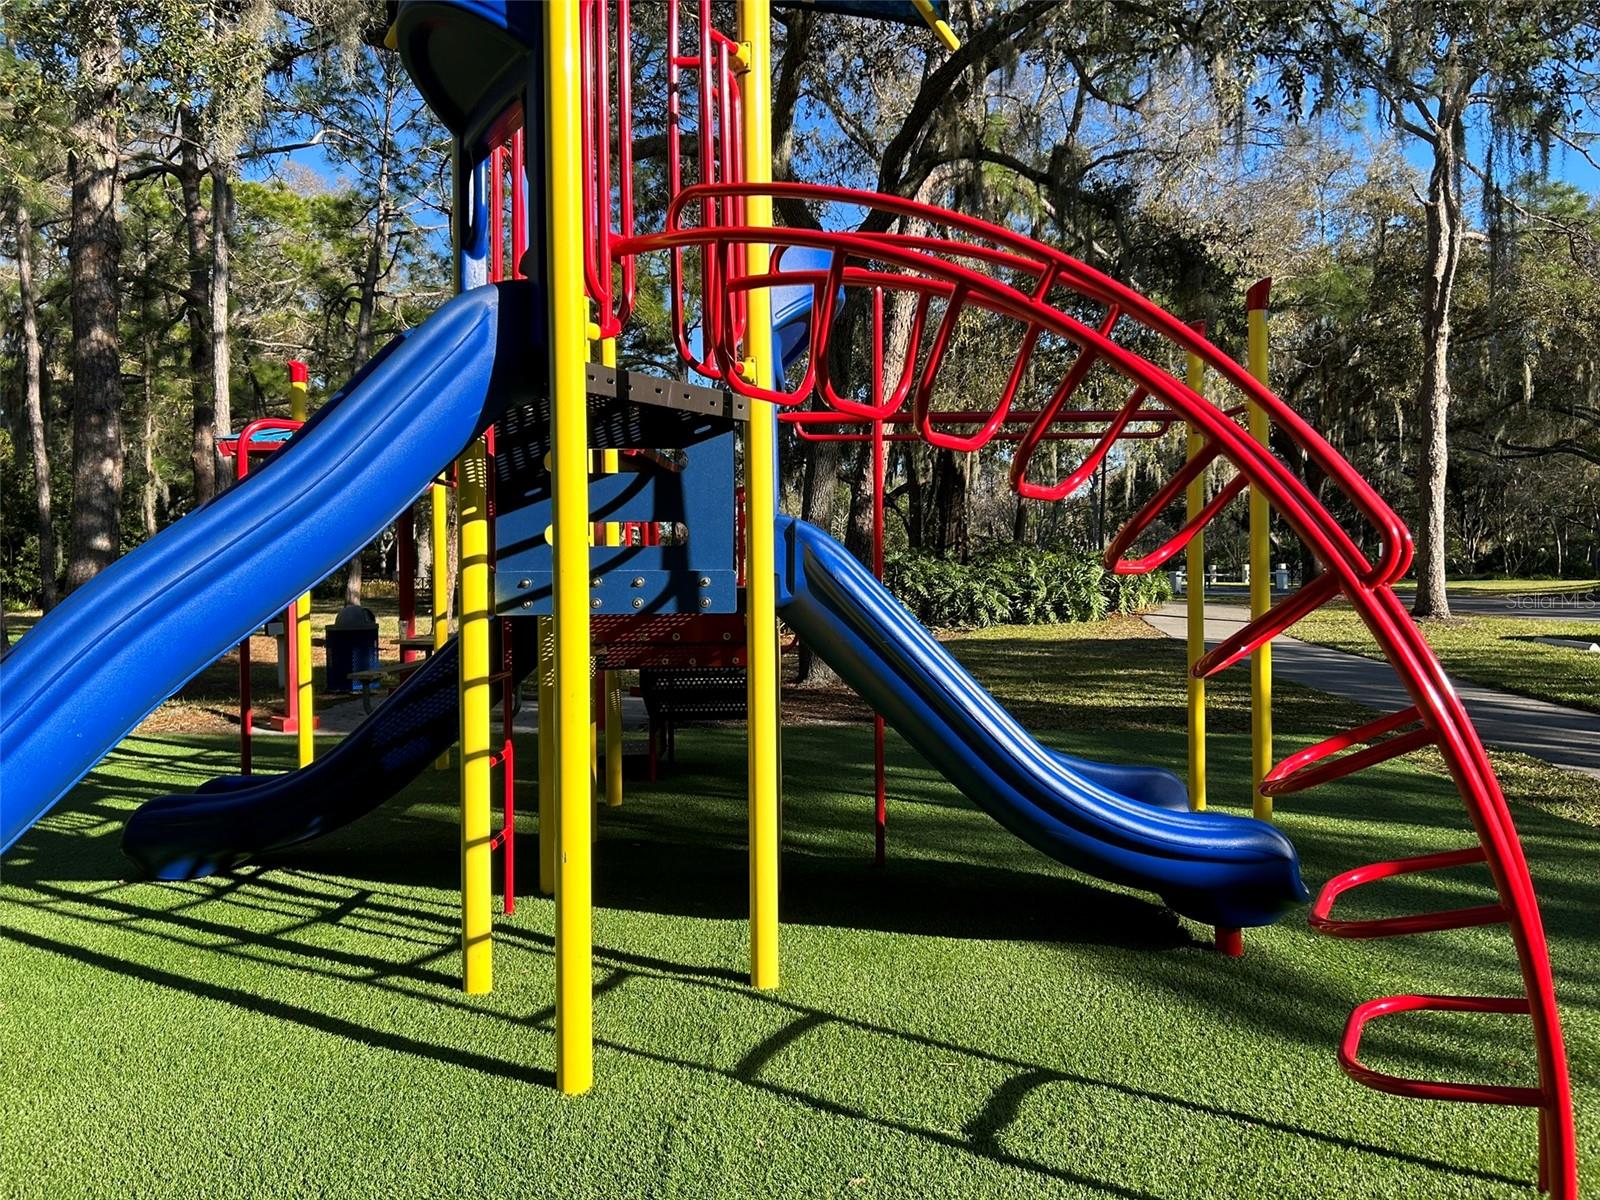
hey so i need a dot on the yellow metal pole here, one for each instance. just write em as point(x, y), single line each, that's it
point(611, 683)
point(613, 686)
point(569, 470)
point(1195, 605)
point(760, 461)
point(937, 23)
point(1260, 567)
point(547, 755)
point(305, 711)
point(596, 782)
point(596, 711)
point(439, 538)
point(472, 530)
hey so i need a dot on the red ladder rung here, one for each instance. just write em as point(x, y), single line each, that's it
point(503, 755)
point(1323, 921)
point(1299, 771)
point(1069, 383)
point(1191, 470)
point(1268, 625)
point(1427, 1089)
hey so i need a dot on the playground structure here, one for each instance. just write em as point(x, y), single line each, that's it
point(595, 513)
point(263, 436)
point(266, 435)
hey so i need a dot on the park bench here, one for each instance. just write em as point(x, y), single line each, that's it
point(389, 677)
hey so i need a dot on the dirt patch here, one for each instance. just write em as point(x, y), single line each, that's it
point(832, 704)
point(178, 716)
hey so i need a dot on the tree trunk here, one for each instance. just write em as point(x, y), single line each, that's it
point(352, 582)
point(820, 480)
point(221, 282)
point(149, 485)
point(1021, 521)
point(148, 358)
point(203, 446)
point(1444, 229)
point(33, 405)
point(819, 486)
point(95, 254)
point(367, 304)
point(422, 540)
point(916, 516)
point(950, 504)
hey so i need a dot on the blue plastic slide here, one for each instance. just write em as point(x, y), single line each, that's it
point(1212, 867)
point(85, 675)
point(231, 820)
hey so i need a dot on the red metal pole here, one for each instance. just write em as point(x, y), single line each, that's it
point(291, 700)
point(508, 773)
point(497, 203)
point(405, 569)
point(880, 792)
point(246, 715)
point(519, 204)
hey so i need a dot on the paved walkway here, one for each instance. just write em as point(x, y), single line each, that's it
point(1567, 737)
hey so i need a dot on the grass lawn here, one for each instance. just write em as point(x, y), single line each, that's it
point(1510, 587)
point(1498, 652)
point(971, 1021)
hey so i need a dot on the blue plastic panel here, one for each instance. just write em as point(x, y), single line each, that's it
point(697, 576)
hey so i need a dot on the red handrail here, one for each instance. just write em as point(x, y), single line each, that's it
point(1427, 1089)
point(1323, 920)
point(611, 309)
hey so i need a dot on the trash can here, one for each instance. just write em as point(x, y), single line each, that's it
point(352, 644)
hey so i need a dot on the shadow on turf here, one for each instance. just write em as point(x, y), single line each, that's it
point(982, 1135)
point(641, 867)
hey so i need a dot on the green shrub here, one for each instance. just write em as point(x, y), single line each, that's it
point(1138, 593)
point(947, 593)
point(1016, 586)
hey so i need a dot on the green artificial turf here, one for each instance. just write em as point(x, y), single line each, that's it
point(969, 1021)
point(1498, 652)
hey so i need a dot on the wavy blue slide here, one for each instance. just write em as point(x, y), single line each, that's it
point(231, 820)
point(92, 669)
point(1213, 867)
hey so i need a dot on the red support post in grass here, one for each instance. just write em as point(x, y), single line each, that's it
point(405, 569)
point(508, 774)
point(247, 714)
point(242, 447)
point(879, 783)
